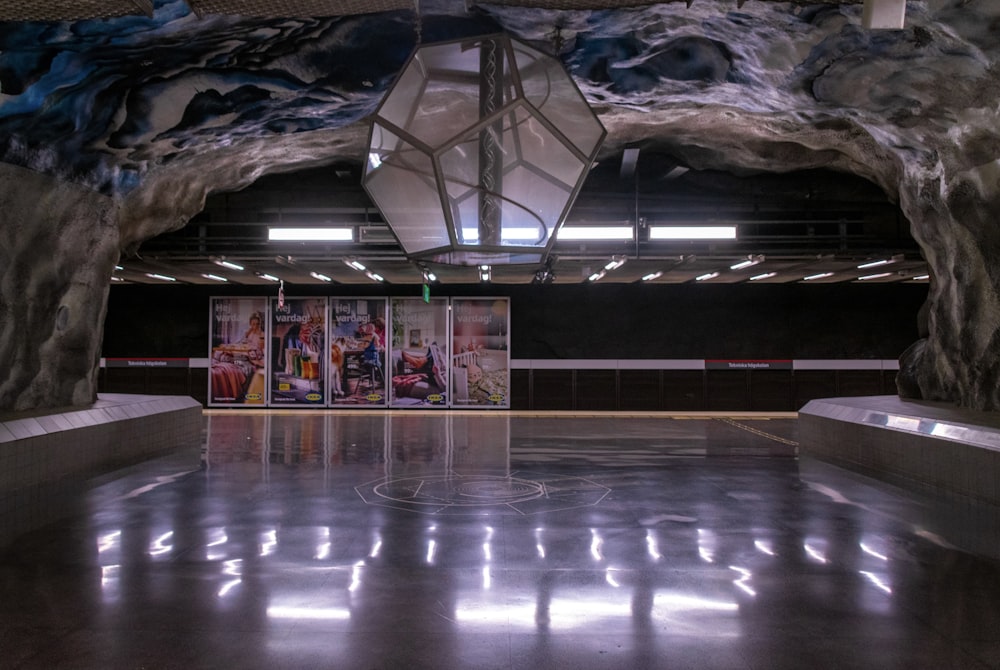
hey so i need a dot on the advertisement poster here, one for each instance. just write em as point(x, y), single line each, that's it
point(357, 352)
point(298, 352)
point(237, 360)
point(480, 367)
point(419, 353)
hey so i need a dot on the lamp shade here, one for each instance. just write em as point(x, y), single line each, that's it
point(478, 151)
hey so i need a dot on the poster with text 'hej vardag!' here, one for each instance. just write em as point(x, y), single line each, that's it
point(480, 364)
point(237, 359)
point(298, 351)
point(358, 352)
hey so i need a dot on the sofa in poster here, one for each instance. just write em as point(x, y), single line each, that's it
point(419, 374)
point(237, 358)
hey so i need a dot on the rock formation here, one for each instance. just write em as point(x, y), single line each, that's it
point(112, 132)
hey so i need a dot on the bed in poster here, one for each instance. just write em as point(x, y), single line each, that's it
point(419, 366)
point(237, 360)
point(298, 352)
point(480, 365)
point(358, 352)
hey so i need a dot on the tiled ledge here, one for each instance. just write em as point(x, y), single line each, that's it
point(46, 459)
point(923, 445)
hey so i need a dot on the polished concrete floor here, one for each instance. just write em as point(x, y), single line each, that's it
point(471, 540)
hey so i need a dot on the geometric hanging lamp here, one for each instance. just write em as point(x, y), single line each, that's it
point(478, 151)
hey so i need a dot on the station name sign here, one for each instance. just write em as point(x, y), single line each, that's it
point(748, 364)
point(147, 362)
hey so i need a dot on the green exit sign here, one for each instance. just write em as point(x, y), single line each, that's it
point(427, 292)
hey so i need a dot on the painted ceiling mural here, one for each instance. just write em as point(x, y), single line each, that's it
point(155, 112)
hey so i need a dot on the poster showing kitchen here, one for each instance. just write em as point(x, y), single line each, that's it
point(237, 359)
point(419, 353)
point(358, 347)
point(298, 351)
point(480, 364)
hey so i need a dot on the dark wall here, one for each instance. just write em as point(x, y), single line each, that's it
point(799, 321)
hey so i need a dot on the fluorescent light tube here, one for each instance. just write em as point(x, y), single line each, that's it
point(766, 275)
point(821, 275)
point(214, 277)
point(709, 275)
point(878, 276)
point(310, 234)
point(321, 277)
point(264, 275)
point(595, 233)
point(153, 275)
point(653, 275)
point(227, 264)
point(692, 232)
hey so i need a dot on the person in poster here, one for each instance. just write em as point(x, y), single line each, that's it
point(357, 351)
point(480, 369)
point(298, 362)
point(420, 353)
point(237, 361)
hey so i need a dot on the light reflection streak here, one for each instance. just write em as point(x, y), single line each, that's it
point(539, 547)
point(609, 577)
point(160, 545)
point(877, 581)
point(109, 575)
point(323, 548)
point(217, 538)
point(487, 550)
point(652, 546)
point(487, 578)
point(233, 568)
point(706, 545)
point(268, 542)
point(317, 613)
point(764, 547)
point(356, 577)
point(814, 553)
point(743, 582)
point(431, 548)
point(596, 542)
point(376, 548)
point(108, 541)
point(871, 552)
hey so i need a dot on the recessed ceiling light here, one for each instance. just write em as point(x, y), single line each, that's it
point(310, 234)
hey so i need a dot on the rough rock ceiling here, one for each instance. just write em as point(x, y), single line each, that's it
point(76, 10)
point(180, 100)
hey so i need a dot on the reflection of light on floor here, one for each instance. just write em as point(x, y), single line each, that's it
point(706, 545)
point(539, 547)
point(764, 547)
point(322, 544)
point(356, 577)
point(571, 613)
point(871, 552)
point(609, 577)
point(305, 613)
point(268, 542)
point(743, 583)
point(877, 581)
point(596, 542)
point(652, 546)
point(160, 546)
point(817, 553)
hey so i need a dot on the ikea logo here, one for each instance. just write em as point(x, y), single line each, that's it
point(285, 386)
point(374, 397)
point(253, 396)
point(435, 397)
point(313, 397)
point(496, 398)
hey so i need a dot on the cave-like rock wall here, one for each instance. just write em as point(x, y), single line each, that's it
point(58, 247)
point(113, 132)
